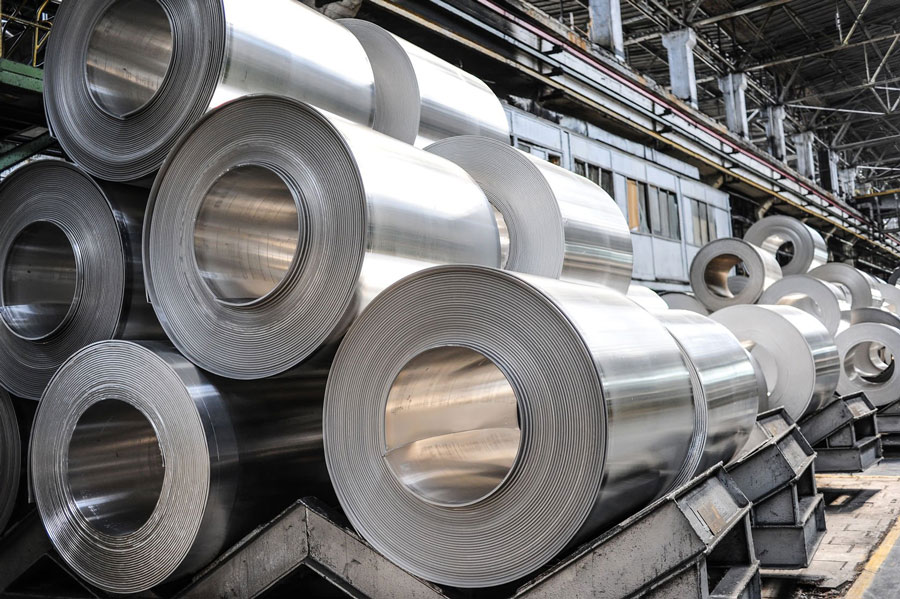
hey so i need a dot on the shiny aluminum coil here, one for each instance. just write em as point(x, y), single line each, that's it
point(646, 298)
point(553, 222)
point(467, 426)
point(10, 459)
point(796, 352)
point(144, 468)
point(861, 287)
point(420, 98)
point(806, 246)
point(270, 228)
point(827, 302)
point(70, 270)
point(684, 301)
point(712, 268)
point(868, 354)
point(895, 277)
point(125, 78)
point(725, 382)
point(890, 297)
point(876, 315)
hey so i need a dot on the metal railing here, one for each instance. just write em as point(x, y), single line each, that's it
point(37, 28)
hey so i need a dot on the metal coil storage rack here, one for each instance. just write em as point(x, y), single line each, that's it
point(70, 270)
point(466, 426)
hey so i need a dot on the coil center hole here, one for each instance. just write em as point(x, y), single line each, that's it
point(128, 56)
point(40, 280)
point(246, 235)
point(451, 426)
point(869, 363)
point(726, 276)
point(115, 470)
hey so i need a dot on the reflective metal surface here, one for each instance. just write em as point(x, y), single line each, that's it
point(70, 270)
point(560, 225)
point(874, 315)
point(725, 386)
point(861, 287)
point(716, 262)
point(795, 351)
point(425, 98)
point(890, 296)
point(799, 247)
point(145, 468)
point(868, 353)
point(234, 290)
point(125, 78)
point(10, 459)
point(684, 301)
point(598, 439)
point(827, 302)
point(646, 298)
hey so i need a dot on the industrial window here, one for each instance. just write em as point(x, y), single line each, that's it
point(665, 220)
point(542, 153)
point(636, 197)
point(704, 221)
point(600, 176)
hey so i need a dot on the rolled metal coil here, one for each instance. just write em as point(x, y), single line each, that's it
point(712, 268)
point(70, 270)
point(868, 354)
point(270, 227)
point(725, 382)
point(861, 287)
point(466, 420)
point(827, 302)
point(646, 298)
point(10, 459)
point(795, 351)
point(684, 301)
point(145, 468)
point(125, 78)
point(553, 222)
point(890, 296)
point(876, 315)
point(784, 235)
point(895, 277)
point(420, 98)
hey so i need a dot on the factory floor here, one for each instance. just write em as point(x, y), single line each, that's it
point(859, 557)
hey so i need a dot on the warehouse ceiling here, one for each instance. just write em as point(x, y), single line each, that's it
point(835, 64)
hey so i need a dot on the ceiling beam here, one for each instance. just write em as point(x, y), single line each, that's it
point(740, 12)
point(827, 51)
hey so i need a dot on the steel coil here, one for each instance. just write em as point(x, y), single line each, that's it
point(646, 298)
point(144, 468)
point(803, 246)
point(712, 268)
point(553, 223)
point(876, 315)
point(10, 459)
point(895, 277)
point(890, 296)
point(868, 354)
point(726, 386)
point(466, 420)
point(70, 270)
point(684, 301)
point(125, 78)
point(421, 98)
point(861, 287)
point(795, 351)
point(827, 302)
point(270, 227)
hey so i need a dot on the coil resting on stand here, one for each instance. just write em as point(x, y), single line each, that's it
point(466, 426)
point(868, 353)
point(145, 468)
point(270, 228)
point(70, 270)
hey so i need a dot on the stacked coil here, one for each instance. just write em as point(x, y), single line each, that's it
point(553, 223)
point(145, 468)
point(795, 351)
point(271, 227)
point(868, 353)
point(712, 267)
point(471, 446)
point(70, 270)
point(10, 459)
point(684, 301)
point(801, 247)
point(828, 302)
point(420, 98)
point(646, 298)
point(861, 287)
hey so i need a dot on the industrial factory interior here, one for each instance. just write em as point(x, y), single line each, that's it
point(450, 299)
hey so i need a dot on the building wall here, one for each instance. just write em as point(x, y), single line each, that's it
point(662, 258)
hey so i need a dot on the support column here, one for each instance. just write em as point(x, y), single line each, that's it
point(680, 45)
point(847, 179)
point(803, 142)
point(775, 132)
point(606, 25)
point(734, 86)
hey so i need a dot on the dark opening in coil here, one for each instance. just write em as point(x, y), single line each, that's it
point(718, 272)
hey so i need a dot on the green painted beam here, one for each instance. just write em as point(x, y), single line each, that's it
point(21, 75)
point(25, 151)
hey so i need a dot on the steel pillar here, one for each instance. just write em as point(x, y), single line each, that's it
point(775, 132)
point(606, 25)
point(680, 45)
point(734, 87)
point(806, 164)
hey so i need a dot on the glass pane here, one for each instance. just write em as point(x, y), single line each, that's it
point(713, 228)
point(554, 159)
point(634, 211)
point(594, 174)
point(704, 224)
point(674, 217)
point(580, 167)
point(644, 208)
point(695, 222)
point(653, 210)
point(606, 182)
